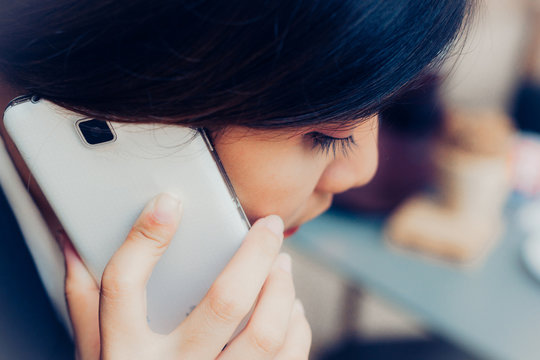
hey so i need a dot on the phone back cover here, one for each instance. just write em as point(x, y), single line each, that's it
point(97, 193)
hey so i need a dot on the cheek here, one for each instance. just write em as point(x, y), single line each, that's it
point(355, 170)
point(268, 179)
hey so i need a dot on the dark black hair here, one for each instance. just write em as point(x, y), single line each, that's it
point(256, 63)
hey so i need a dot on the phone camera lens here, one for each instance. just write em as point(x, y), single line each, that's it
point(95, 132)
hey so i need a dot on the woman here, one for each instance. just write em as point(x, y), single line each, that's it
point(289, 91)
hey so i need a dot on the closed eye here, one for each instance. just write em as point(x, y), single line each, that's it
point(327, 144)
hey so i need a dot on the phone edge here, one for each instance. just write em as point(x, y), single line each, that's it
point(32, 187)
point(221, 168)
point(36, 192)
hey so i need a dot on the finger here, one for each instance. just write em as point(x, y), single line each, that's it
point(82, 297)
point(210, 325)
point(123, 300)
point(265, 332)
point(298, 338)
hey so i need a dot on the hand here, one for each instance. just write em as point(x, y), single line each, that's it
point(111, 323)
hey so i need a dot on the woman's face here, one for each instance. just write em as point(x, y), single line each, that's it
point(290, 174)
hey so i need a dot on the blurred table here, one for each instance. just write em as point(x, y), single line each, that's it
point(491, 309)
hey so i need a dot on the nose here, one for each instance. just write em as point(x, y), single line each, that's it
point(356, 168)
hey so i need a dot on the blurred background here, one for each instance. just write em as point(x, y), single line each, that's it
point(438, 257)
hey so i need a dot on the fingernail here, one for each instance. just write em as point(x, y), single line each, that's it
point(166, 208)
point(299, 306)
point(275, 224)
point(284, 262)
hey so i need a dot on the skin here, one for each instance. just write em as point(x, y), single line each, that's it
point(109, 321)
point(274, 172)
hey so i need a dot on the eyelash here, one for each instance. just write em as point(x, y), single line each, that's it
point(327, 143)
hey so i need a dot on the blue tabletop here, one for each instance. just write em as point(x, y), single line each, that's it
point(491, 308)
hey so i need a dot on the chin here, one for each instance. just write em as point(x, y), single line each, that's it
point(321, 210)
point(321, 207)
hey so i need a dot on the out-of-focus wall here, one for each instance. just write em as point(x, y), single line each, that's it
point(487, 69)
point(484, 73)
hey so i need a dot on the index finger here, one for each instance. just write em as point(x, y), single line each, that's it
point(230, 298)
point(123, 283)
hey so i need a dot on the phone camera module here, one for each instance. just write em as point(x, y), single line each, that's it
point(95, 132)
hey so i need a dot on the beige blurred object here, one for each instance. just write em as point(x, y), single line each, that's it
point(464, 217)
point(484, 68)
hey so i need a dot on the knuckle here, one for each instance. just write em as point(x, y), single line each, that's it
point(114, 284)
point(224, 306)
point(267, 340)
point(71, 287)
point(150, 234)
point(74, 289)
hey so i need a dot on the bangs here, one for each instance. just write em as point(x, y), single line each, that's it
point(258, 64)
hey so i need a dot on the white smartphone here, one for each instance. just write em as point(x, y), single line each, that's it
point(91, 179)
